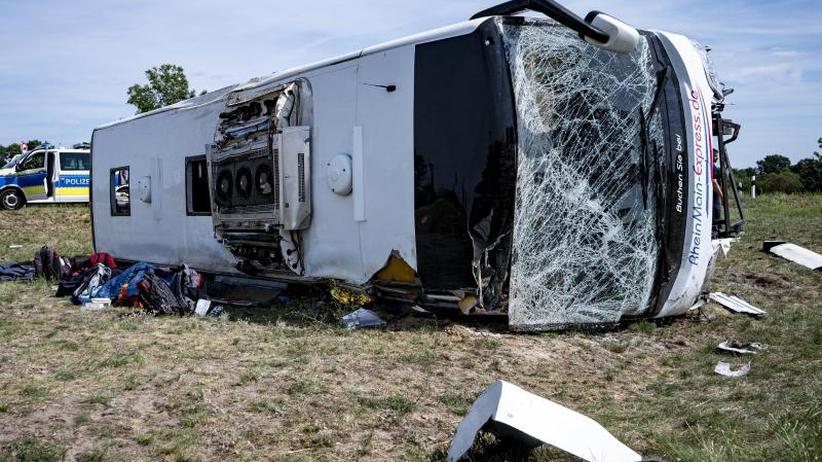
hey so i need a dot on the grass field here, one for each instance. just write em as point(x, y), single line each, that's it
point(285, 383)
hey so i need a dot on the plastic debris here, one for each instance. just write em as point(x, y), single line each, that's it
point(534, 420)
point(202, 307)
point(736, 304)
point(350, 297)
point(362, 318)
point(723, 245)
point(724, 369)
point(96, 304)
point(794, 253)
point(15, 246)
point(205, 308)
point(732, 346)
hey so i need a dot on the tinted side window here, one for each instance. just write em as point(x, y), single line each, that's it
point(74, 161)
point(198, 192)
point(120, 195)
point(464, 155)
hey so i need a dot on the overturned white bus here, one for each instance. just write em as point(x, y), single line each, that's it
point(559, 170)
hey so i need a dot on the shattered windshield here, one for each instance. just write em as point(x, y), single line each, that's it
point(585, 250)
point(13, 161)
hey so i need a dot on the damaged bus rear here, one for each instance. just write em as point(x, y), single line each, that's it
point(557, 170)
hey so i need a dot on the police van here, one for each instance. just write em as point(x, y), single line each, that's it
point(44, 175)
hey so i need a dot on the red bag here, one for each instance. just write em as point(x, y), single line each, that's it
point(101, 257)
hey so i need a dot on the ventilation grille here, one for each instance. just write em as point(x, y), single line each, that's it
point(276, 160)
point(301, 177)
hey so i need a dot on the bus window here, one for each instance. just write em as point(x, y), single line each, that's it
point(198, 194)
point(120, 198)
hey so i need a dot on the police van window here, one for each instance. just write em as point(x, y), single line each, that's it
point(74, 161)
point(198, 195)
point(120, 197)
point(34, 162)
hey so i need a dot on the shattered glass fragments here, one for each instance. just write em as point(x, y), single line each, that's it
point(585, 250)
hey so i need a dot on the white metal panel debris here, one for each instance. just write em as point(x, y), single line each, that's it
point(797, 254)
point(736, 304)
point(535, 418)
point(731, 346)
point(724, 369)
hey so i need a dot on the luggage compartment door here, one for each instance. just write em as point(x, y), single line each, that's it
point(295, 178)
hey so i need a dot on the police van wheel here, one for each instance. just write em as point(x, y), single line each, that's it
point(11, 199)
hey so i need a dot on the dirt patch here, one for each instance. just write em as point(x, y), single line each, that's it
point(762, 280)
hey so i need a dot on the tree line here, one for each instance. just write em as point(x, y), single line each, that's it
point(7, 152)
point(775, 173)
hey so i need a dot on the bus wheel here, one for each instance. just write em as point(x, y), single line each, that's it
point(11, 199)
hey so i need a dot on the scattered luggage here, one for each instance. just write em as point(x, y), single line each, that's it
point(50, 265)
point(13, 271)
point(93, 281)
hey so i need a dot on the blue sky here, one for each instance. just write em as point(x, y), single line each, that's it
point(65, 66)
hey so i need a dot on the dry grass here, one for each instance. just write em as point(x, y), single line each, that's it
point(286, 383)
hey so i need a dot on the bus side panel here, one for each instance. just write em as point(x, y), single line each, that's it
point(154, 148)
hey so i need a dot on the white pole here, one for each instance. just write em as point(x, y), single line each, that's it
point(753, 187)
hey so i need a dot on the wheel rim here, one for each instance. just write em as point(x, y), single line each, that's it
point(11, 200)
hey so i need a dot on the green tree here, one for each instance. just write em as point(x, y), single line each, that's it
point(167, 84)
point(7, 152)
point(810, 171)
point(785, 181)
point(773, 163)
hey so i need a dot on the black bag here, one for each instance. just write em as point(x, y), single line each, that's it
point(68, 285)
point(158, 298)
point(50, 265)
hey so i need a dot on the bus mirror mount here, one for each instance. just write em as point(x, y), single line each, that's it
point(622, 38)
point(598, 29)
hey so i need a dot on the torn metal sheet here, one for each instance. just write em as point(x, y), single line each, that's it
point(736, 304)
point(244, 291)
point(699, 304)
point(724, 369)
point(724, 245)
point(732, 346)
point(363, 318)
point(515, 412)
point(796, 254)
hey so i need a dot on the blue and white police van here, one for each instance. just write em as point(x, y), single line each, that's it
point(44, 175)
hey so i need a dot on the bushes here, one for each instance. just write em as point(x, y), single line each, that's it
point(785, 181)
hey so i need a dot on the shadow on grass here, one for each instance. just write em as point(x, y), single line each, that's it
point(311, 306)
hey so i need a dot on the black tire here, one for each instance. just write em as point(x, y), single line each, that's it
point(12, 199)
